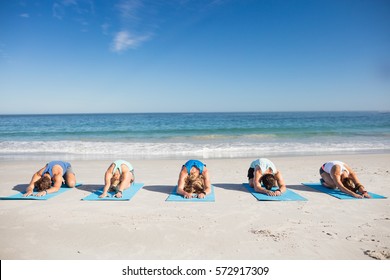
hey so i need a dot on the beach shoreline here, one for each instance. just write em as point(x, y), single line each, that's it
point(235, 226)
point(174, 136)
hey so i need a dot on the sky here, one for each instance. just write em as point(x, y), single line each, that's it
point(90, 56)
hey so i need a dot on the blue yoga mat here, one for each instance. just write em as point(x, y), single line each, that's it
point(336, 192)
point(289, 195)
point(174, 196)
point(19, 196)
point(126, 194)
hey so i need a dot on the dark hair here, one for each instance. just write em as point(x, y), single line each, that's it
point(348, 183)
point(43, 183)
point(268, 181)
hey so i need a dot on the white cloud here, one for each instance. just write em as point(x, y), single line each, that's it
point(24, 15)
point(124, 40)
point(128, 9)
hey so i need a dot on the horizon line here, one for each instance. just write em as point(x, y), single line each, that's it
point(191, 112)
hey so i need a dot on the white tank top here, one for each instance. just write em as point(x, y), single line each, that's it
point(327, 167)
point(264, 164)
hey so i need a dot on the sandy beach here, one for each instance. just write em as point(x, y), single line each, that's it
point(235, 226)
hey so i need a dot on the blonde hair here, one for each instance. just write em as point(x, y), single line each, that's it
point(115, 182)
point(194, 184)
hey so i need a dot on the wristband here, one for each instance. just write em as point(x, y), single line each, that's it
point(119, 192)
point(46, 192)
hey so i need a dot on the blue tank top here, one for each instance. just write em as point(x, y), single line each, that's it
point(49, 167)
point(191, 163)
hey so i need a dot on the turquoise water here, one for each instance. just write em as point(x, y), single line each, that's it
point(201, 135)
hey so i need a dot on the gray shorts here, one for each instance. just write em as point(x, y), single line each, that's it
point(69, 170)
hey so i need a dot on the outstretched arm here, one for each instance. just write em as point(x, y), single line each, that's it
point(282, 186)
point(335, 174)
point(357, 183)
point(256, 182)
point(206, 182)
point(107, 181)
point(180, 183)
point(37, 175)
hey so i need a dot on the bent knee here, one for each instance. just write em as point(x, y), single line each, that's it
point(71, 184)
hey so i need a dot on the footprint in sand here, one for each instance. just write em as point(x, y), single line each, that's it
point(331, 234)
point(266, 233)
point(364, 238)
point(379, 255)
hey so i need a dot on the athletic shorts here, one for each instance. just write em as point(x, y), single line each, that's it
point(250, 173)
point(322, 169)
point(69, 170)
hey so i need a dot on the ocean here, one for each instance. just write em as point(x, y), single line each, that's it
point(192, 135)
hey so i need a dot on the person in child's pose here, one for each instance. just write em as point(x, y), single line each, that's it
point(118, 177)
point(263, 176)
point(194, 179)
point(50, 178)
point(338, 175)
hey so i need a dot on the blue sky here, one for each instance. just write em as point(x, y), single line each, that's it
point(82, 56)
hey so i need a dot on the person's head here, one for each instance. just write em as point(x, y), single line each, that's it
point(348, 183)
point(116, 178)
point(194, 183)
point(43, 183)
point(268, 181)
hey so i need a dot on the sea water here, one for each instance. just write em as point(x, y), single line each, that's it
point(192, 135)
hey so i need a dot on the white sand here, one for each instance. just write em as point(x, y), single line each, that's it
point(235, 226)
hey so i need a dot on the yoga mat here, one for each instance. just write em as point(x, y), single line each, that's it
point(126, 194)
point(19, 196)
point(288, 195)
point(178, 197)
point(337, 193)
